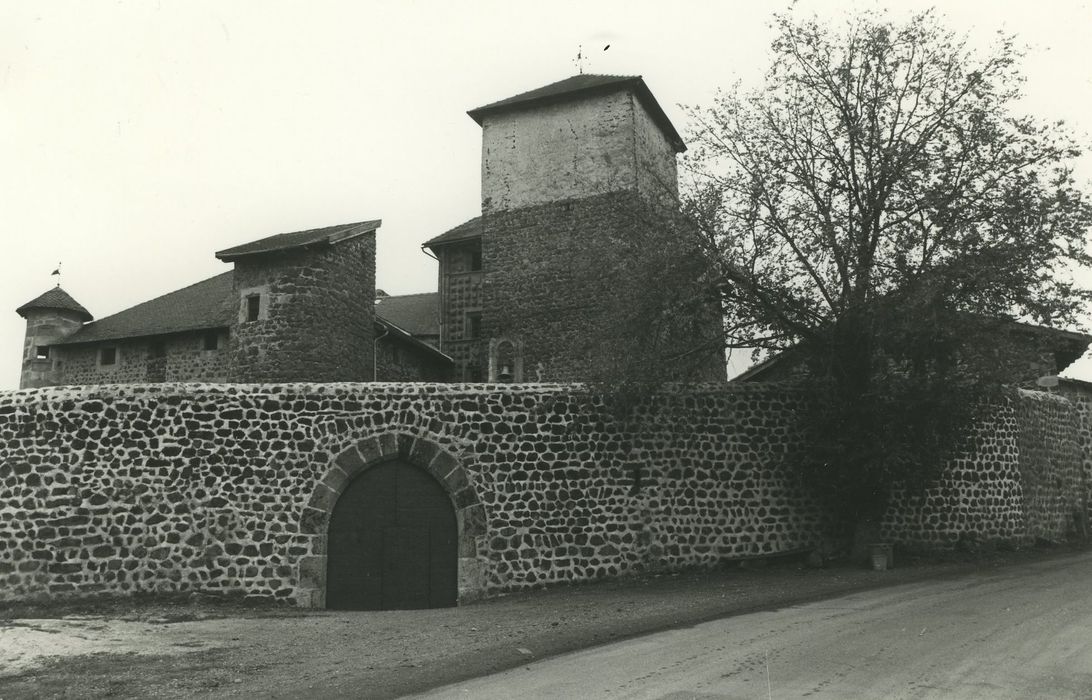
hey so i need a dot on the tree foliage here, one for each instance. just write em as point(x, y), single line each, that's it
point(880, 205)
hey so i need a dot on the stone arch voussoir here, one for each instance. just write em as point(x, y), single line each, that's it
point(419, 451)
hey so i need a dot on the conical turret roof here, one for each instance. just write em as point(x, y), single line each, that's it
point(55, 298)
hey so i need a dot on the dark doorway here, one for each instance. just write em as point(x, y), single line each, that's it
point(393, 543)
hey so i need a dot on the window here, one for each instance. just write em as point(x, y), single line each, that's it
point(212, 339)
point(475, 261)
point(41, 352)
point(473, 324)
point(108, 356)
point(253, 307)
point(157, 350)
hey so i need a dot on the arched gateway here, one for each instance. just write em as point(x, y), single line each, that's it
point(396, 523)
point(392, 542)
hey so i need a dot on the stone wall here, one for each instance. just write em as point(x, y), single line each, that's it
point(657, 172)
point(1080, 394)
point(560, 151)
point(316, 317)
point(44, 328)
point(227, 488)
point(399, 360)
point(566, 279)
point(461, 294)
point(1017, 479)
point(1051, 475)
point(184, 358)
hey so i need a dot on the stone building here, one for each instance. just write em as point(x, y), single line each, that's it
point(296, 307)
point(571, 173)
point(575, 176)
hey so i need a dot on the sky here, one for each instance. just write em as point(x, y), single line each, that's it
point(138, 138)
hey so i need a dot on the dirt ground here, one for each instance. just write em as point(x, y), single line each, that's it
point(127, 648)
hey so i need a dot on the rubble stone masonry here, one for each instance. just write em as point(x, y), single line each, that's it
point(316, 313)
point(181, 357)
point(228, 488)
point(560, 280)
point(1019, 478)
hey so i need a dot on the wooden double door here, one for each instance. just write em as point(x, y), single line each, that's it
point(393, 542)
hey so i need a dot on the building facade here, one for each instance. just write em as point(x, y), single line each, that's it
point(578, 181)
point(578, 178)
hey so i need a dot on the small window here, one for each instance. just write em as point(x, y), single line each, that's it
point(475, 261)
point(473, 324)
point(157, 350)
point(108, 356)
point(41, 352)
point(212, 340)
point(253, 307)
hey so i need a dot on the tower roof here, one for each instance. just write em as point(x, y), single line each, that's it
point(581, 86)
point(58, 299)
point(311, 238)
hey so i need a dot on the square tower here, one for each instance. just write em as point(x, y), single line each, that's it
point(579, 221)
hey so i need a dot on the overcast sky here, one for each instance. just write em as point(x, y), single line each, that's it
point(138, 138)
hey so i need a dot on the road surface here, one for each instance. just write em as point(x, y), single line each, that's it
point(1024, 632)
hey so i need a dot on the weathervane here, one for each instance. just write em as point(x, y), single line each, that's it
point(579, 60)
point(57, 273)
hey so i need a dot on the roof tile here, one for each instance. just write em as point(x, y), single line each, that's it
point(579, 85)
point(418, 314)
point(207, 304)
point(55, 298)
point(468, 230)
point(300, 239)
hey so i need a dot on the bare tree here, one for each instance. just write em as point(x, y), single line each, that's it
point(879, 205)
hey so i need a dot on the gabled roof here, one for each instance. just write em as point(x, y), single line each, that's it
point(207, 304)
point(580, 86)
point(211, 304)
point(392, 332)
point(55, 298)
point(418, 314)
point(315, 237)
point(759, 369)
point(1075, 343)
point(468, 230)
point(1078, 338)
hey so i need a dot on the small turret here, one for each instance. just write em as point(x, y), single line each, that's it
point(50, 317)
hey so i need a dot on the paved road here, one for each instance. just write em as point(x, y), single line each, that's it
point(1024, 632)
